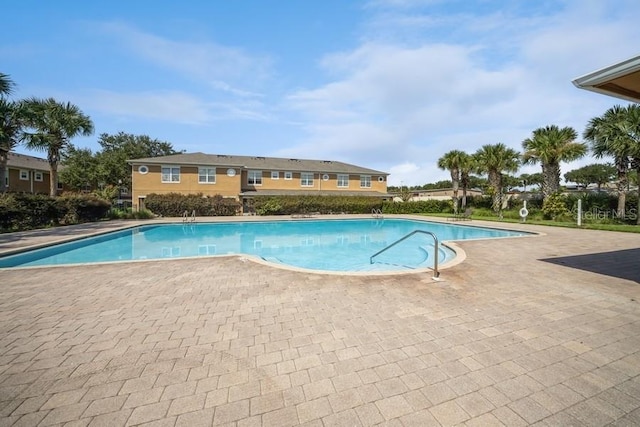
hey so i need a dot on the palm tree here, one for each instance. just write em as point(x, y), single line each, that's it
point(633, 127)
point(467, 165)
point(551, 145)
point(452, 161)
point(11, 124)
point(612, 135)
point(494, 160)
point(54, 124)
point(6, 85)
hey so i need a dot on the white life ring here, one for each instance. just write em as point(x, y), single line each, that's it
point(524, 212)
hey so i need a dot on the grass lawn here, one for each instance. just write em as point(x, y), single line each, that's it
point(512, 217)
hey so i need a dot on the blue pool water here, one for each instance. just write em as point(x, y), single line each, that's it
point(332, 245)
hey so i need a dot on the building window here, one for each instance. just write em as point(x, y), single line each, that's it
point(170, 173)
point(275, 175)
point(143, 170)
point(306, 179)
point(365, 181)
point(38, 176)
point(207, 175)
point(288, 176)
point(254, 178)
point(60, 186)
point(24, 175)
point(343, 181)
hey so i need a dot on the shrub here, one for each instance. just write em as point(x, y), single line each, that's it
point(176, 204)
point(418, 207)
point(289, 205)
point(25, 211)
point(555, 207)
point(130, 214)
point(79, 208)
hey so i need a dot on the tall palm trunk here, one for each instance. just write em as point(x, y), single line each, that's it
point(4, 158)
point(464, 180)
point(636, 166)
point(623, 180)
point(495, 181)
point(551, 178)
point(455, 184)
point(53, 159)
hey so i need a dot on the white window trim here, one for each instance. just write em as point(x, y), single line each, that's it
point(26, 177)
point(365, 181)
point(207, 169)
point(254, 174)
point(306, 174)
point(288, 176)
point(170, 175)
point(341, 177)
point(275, 175)
point(38, 176)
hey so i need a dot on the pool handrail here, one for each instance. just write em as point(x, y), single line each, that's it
point(436, 273)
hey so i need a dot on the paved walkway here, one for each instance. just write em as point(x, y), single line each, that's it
point(529, 331)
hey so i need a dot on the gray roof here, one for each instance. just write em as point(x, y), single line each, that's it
point(258, 163)
point(22, 161)
point(248, 193)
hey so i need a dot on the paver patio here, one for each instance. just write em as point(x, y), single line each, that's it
point(528, 331)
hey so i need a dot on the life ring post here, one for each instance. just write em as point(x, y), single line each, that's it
point(524, 212)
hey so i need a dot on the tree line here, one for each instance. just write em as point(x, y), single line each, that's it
point(615, 134)
point(49, 126)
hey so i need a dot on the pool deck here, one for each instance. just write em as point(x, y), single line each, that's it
point(540, 330)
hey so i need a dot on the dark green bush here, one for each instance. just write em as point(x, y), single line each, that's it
point(289, 205)
point(79, 208)
point(418, 207)
point(25, 211)
point(129, 213)
point(176, 204)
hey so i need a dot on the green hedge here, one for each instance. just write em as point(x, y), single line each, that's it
point(175, 204)
point(418, 207)
point(24, 211)
point(289, 205)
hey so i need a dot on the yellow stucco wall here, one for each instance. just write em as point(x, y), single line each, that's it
point(151, 182)
point(231, 186)
point(331, 184)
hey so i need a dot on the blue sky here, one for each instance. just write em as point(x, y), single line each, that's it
point(386, 84)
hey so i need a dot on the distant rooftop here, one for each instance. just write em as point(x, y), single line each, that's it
point(259, 162)
point(22, 161)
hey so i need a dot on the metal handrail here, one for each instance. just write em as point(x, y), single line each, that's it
point(436, 273)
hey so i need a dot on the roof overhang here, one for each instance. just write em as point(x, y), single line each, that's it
point(621, 80)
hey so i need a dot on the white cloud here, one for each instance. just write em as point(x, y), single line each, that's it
point(228, 69)
point(396, 104)
point(167, 106)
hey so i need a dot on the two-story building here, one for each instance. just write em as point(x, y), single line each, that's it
point(244, 177)
point(26, 174)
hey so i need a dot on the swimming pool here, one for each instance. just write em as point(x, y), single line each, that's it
point(329, 245)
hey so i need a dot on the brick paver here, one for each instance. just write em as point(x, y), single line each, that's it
point(523, 331)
